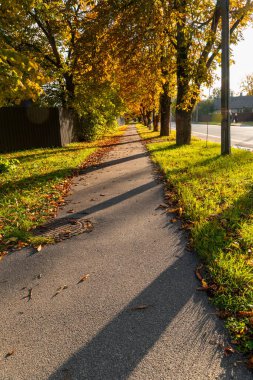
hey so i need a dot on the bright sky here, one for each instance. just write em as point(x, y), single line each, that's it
point(243, 57)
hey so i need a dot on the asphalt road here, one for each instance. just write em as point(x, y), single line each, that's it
point(137, 315)
point(241, 136)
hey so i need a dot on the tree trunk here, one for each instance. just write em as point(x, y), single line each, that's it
point(70, 89)
point(183, 126)
point(149, 120)
point(165, 103)
point(145, 120)
point(155, 121)
point(144, 115)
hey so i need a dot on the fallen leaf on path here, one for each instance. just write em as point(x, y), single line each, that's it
point(162, 207)
point(70, 211)
point(174, 220)
point(250, 362)
point(204, 284)
point(198, 274)
point(84, 278)
point(59, 289)
point(140, 307)
point(229, 350)
point(89, 225)
point(10, 353)
point(102, 195)
point(29, 295)
point(171, 210)
point(39, 248)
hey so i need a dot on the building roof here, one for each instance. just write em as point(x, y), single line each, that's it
point(236, 102)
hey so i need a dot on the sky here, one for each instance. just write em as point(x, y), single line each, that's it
point(243, 57)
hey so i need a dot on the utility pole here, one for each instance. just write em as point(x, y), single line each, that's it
point(225, 87)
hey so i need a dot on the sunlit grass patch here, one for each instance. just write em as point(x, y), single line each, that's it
point(31, 192)
point(216, 195)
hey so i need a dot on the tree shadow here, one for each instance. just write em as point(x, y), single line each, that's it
point(63, 221)
point(21, 156)
point(107, 164)
point(116, 350)
point(166, 304)
point(39, 180)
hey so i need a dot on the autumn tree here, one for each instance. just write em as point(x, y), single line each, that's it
point(56, 35)
point(198, 45)
point(247, 85)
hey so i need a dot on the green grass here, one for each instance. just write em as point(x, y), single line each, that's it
point(32, 190)
point(216, 195)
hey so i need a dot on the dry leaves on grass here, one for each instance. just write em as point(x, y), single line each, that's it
point(250, 362)
point(228, 350)
point(245, 313)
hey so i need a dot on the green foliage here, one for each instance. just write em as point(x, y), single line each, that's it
point(8, 164)
point(97, 112)
point(205, 107)
point(216, 195)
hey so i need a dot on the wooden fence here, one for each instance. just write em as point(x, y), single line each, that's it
point(32, 127)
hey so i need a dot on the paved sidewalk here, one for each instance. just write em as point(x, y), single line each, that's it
point(137, 316)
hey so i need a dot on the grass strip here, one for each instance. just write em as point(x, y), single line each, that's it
point(34, 187)
point(215, 195)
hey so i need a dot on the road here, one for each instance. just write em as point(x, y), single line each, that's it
point(241, 136)
point(137, 316)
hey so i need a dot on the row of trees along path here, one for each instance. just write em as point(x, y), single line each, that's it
point(102, 57)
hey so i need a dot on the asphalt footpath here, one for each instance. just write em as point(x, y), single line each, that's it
point(119, 301)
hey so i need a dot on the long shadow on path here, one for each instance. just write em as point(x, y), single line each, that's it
point(121, 345)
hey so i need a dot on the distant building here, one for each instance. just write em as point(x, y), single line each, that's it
point(241, 109)
point(238, 104)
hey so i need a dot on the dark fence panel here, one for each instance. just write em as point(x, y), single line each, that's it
point(245, 116)
point(32, 127)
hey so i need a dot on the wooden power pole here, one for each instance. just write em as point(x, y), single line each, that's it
point(225, 86)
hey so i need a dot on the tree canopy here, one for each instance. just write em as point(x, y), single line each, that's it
point(102, 56)
point(247, 85)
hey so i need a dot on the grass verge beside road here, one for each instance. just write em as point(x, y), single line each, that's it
point(215, 199)
point(34, 187)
